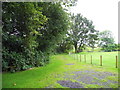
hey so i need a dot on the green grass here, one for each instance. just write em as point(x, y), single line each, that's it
point(0, 80)
point(108, 58)
point(93, 85)
point(37, 77)
point(41, 77)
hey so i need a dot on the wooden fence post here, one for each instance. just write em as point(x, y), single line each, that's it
point(80, 58)
point(91, 59)
point(77, 57)
point(101, 60)
point(116, 61)
point(85, 57)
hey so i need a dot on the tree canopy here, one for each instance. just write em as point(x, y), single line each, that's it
point(82, 32)
point(106, 41)
point(30, 31)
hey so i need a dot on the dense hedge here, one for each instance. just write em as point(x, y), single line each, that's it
point(30, 33)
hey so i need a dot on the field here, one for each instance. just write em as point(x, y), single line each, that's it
point(64, 71)
point(108, 58)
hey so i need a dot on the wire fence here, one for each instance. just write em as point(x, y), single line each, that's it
point(89, 59)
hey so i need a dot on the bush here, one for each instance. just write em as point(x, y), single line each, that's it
point(110, 47)
point(30, 33)
point(13, 61)
point(40, 58)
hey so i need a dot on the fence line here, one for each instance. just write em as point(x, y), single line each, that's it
point(85, 58)
point(91, 59)
point(79, 57)
point(116, 61)
point(101, 60)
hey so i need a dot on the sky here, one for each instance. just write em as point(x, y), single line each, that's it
point(103, 13)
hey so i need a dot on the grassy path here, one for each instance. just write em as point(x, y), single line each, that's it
point(63, 72)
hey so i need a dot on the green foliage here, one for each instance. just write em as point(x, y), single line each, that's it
point(68, 3)
point(13, 61)
point(30, 33)
point(118, 47)
point(64, 46)
point(82, 32)
point(106, 41)
point(110, 47)
point(21, 23)
point(55, 29)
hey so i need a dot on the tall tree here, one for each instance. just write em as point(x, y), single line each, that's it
point(82, 32)
point(106, 40)
point(55, 28)
point(30, 32)
point(22, 20)
point(21, 24)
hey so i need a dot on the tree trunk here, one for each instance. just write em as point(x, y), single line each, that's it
point(80, 49)
point(75, 45)
point(93, 49)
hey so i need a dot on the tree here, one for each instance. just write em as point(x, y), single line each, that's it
point(82, 32)
point(106, 41)
point(31, 30)
point(55, 28)
point(118, 47)
point(64, 46)
point(21, 26)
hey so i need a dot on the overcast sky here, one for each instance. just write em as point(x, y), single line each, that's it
point(103, 13)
